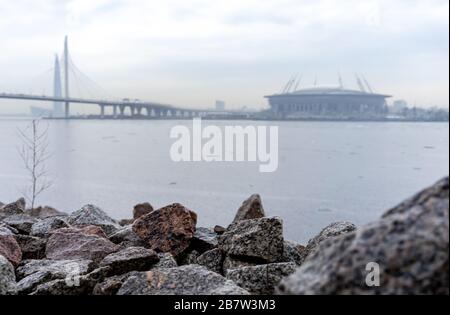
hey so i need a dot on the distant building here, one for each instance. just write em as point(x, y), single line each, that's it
point(220, 105)
point(326, 102)
point(398, 106)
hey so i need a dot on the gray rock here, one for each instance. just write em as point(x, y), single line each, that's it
point(251, 208)
point(14, 208)
point(66, 244)
point(231, 263)
point(204, 239)
point(7, 277)
point(36, 272)
point(45, 227)
point(332, 230)
point(7, 230)
point(294, 252)
point(410, 244)
point(261, 279)
point(78, 285)
point(92, 215)
point(126, 237)
point(130, 259)
point(110, 286)
point(1, 204)
point(166, 260)
point(257, 238)
point(21, 222)
point(184, 280)
point(32, 247)
point(213, 260)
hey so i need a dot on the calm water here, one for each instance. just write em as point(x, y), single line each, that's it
point(327, 171)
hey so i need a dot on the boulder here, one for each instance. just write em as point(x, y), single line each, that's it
point(260, 239)
point(130, 259)
point(7, 230)
point(21, 222)
point(93, 230)
point(1, 204)
point(332, 230)
point(407, 250)
point(10, 249)
point(231, 263)
point(126, 237)
point(45, 212)
point(204, 239)
point(169, 229)
point(78, 285)
point(92, 215)
point(17, 207)
point(7, 277)
point(141, 210)
point(188, 258)
point(70, 243)
point(110, 286)
point(213, 260)
point(166, 260)
point(219, 230)
point(44, 227)
point(261, 279)
point(33, 273)
point(184, 280)
point(126, 222)
point(251, 208)
point(294, 252)
point(31, 247)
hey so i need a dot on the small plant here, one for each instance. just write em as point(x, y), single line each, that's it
point(34, 154)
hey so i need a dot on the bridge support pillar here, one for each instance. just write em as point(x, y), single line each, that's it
point(122, 110)
point(66, 109)
point(102, 111)
point(115, 111)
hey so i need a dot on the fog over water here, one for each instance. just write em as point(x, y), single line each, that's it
point(328, 171)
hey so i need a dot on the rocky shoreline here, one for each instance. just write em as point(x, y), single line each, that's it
point(47, 252)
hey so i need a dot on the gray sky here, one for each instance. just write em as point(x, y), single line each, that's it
point(194, 52)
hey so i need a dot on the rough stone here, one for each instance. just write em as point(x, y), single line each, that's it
point(231, 263)
point(110, 286)
point(219, 230)
point(141, 210)
point(204, 239)
point(294, 252)
point(188, 258)
point(7, 277)
point(7, 230)
point(70, 243)
point(261, 279)
point(45, 227)
point(130, 259)
point(213, 260)
point(31, 247)
point(14, 208)
point(92, 215)
point(332, 230)
point(410, 244)
point(45, 212)
point(166, 260)
point(126, 237)
point(10, 249)
point(184, 280)
point(169, 229)
point(257, 238)
point(251, 208)
point(21, 222)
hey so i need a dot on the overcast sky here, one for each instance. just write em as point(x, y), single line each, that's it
point(194, 52)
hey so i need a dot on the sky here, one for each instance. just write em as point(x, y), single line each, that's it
point(191, 53)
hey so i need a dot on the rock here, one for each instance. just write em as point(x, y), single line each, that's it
point(126, 222)
point(33, 273)
point(21, 222)
point(45, 227)
point(256, 238)
point(332, 230)
point(70, 243)
point(204, 239)
point(294, 252)
point(130, 259)
point(410, 244)
point(7, 277)
point(10, 249)
point(126, 237)
point(169, 229)
point(251, 208)
point(219, 229)
point(166, 260)
point(110, 285)
point(1, 204)
point(92, 215)
point(78, 285)
point(45, 212)
point(7, 230)
point(93, 230)
point(141, 210)
point(231, 263)
point(212, 259)
point(188, 258)
point(31, 247)
point(261, 279)
point(185, 280)
point(17, 207)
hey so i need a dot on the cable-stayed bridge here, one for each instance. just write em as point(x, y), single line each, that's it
point(126, 107)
